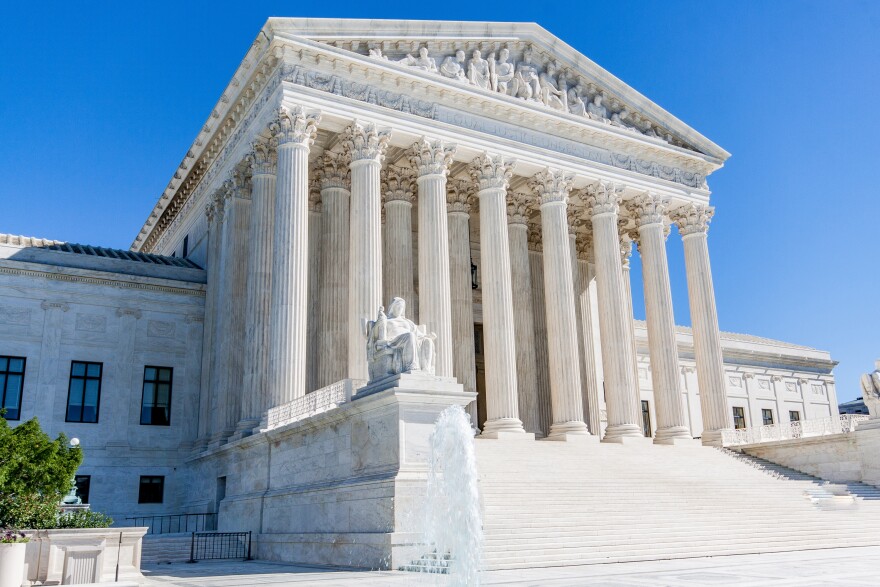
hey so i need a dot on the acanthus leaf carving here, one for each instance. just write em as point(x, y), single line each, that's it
point(365, 141)
point(491, 171)
point(429, 157)
point(692, 218)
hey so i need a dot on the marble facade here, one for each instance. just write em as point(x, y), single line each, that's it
point(488, 174)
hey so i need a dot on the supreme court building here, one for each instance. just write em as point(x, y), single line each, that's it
point(487, 173)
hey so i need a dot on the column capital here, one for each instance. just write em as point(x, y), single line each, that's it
point(492, 171)
point(536, 240)
point(459, 196)
point(576, 218)
point(263, 157)
point(626, 241)
point(518, 208)
point(241, 181)
point(314, 195)
point(128, 312)
point(47, 305)
point(364, 142)
point(552, 185)
point(584, 246)
point(603, 197)
point(431, 157)
point(397, 184)
point(647, 208)
point(692, 218)
point(333, 170)
point(216, 207)
point(295, 125)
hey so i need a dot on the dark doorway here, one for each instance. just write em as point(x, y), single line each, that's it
point(480, 360)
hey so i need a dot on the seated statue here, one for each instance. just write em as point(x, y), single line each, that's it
point(871, 390)
point(396, 344)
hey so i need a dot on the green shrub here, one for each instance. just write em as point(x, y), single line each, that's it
point(32, 463)
point(32, 511)
point(84, 519)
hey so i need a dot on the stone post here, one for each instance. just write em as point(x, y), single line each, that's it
point(458, 208)
point(648, 212)
point(258, 317)
point(397, 263)
point(431, 161)
point(603, 203)
point(552, 187)
point(492, 174)
point(366, 147)
point(334, 178)
point(295, 131)
point(693, 224)
point(523, 312)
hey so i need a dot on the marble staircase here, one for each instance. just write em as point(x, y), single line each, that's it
point(165, 548)
point(556, 504)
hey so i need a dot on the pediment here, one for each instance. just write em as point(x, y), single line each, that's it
point(521, 61)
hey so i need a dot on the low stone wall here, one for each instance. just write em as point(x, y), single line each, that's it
point(338, 488)
point(83, 555)
point(837, 457)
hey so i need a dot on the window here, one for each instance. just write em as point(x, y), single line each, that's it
point(82, 486)
point(739, 418)
point(767, 417)
point(152, 489)
point(646, 419)
point(11, 382)
point(794, 416)
point(156, 399)
point(185, 247)
point(84, 393)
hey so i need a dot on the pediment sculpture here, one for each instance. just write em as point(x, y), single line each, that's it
point(396, 344)
point(546, 84)
point(871, 390)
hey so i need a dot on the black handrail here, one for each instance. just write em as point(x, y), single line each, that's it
point(220, 545)
point(176, 523)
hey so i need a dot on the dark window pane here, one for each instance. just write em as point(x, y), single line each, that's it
point(13, 386)
point(91, 397)
point(2, 383)
point(16, 365)
point(74, 413)
point(94, 370)
point(3, 363)
point(78, 369)
point(149, 393)
point(76, 392)
point(162, 395)
point(164, 374)
point(83, 483)
point(151, 489)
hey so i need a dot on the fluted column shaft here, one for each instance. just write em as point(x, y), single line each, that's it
point(219, 371)
point(366, 147)
point(565, 377)
point(294, 132)
point(523, 314)
point(431, 160)
point(539, 310)
point(258, 319)
point(693, 224)
point(662, 346)
point(397, 263)
point(461, 291)
point(333, 334)
point(207, 386)
point(313, 313)
point(590, 385)
point(632, 357)
point(614, 322)
point(502, 405)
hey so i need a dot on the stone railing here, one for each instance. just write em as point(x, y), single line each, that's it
point(844, 423)
point(311, 404)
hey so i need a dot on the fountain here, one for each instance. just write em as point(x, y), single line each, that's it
point(452, 521)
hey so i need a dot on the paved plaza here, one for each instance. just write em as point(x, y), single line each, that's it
point(839, 567)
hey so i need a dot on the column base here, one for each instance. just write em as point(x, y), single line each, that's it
point(218, 439)
point(244, 428)
point(712, 438)
point(616, 431)
point(564, 430)
point(672, 434)
point(505, 428)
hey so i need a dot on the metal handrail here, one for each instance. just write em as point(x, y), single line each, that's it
point(220, 545)
point(176, 523)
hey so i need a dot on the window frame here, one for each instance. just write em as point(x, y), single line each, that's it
point(797, 415)
point(767, 414)
point(156, 382)
point(6, 372)
point(142, 499)
point(740, 416)
point(84, 378)
point(87, 481)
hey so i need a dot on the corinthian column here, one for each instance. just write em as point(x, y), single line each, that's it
point(523, 311)
point(431, 161)
point(208, 381)
point(589, 377)
point(626, 249)
point(313, 313)
point(603, 203)
point(553, 186)
point(334, 178)
point(220, 331)
point(461, 293)
point(539, 310)
point(366, 147)
point(492, 174)
point(259, 285)
point(397, 263)
point(294, 131)
point(648, 212)
point(693, 224)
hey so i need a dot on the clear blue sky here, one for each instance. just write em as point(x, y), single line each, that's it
point(100, 101)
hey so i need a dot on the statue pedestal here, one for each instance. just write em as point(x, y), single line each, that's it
point(414, 381)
